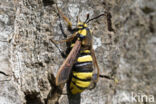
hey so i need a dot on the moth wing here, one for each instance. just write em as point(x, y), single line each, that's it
point(95, 75)
point(65, 69)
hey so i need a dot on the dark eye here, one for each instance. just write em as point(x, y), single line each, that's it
point(81, 25)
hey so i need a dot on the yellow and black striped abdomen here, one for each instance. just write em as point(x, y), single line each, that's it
point(81, 73)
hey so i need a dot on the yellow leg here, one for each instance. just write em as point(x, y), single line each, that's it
point(78, 19)
point(65, 18)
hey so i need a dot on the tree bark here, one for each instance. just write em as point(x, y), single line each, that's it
point(124, 43)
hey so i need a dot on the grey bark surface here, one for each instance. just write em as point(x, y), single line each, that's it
point(29, 60)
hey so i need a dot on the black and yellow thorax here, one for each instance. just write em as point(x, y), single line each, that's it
point(84, 35)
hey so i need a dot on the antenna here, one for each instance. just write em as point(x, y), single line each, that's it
point(104, 14)
point(87, 18)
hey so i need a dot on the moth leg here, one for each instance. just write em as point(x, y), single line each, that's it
point(62, 53)
point(110, 78)
point(106, 76)
point(69, 24)
point(65, 40)
point(61, 41)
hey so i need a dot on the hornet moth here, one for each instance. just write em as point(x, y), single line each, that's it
point(81, 62)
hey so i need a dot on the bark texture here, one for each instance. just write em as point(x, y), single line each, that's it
point(125, 48)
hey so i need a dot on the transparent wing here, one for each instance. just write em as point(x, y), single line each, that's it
point(65, 69)
point(95, 75)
